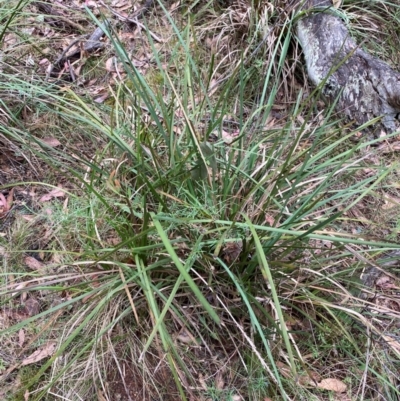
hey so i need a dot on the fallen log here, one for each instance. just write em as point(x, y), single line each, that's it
point(364, 86)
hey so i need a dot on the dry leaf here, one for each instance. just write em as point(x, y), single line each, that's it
point(102, 98)
point(52, 142)
point(383, 280)
point(389, 148)
point(203, 383)
point(174, 6)
point(231, 251)
point(3, 205)
point(229, 137)
point(111, 64)
point(21, 337)
point(213, 87)
point(26, 395)
point(33, 263)
point(56, 258)
point(310, 379)
point(284, 369)
point(269, 219)
point(219, 381)
point(10, 199)
point(32, 306)
point(55, 193)
point(186, 337)
point(28, 217)
point(91, 4)
point(15, 314)
point(44, 61)
point(23, 297)
point(390, 202)
point(41, 353)
point(333, 385)
point(100, 396)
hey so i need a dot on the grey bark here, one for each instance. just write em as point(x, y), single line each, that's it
point(364, 86)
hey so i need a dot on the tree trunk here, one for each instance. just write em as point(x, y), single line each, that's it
point(364, 86)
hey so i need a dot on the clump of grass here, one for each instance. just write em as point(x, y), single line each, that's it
point(202, 245)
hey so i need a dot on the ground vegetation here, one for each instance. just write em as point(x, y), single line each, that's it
point(183, 216)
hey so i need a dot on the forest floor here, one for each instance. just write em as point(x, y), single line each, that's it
point(182, 217)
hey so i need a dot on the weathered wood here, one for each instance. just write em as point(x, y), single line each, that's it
point(364, 86)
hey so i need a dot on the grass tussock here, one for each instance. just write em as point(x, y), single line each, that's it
point(181, 217)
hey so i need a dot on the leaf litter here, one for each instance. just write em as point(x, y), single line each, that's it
point(67, 73)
